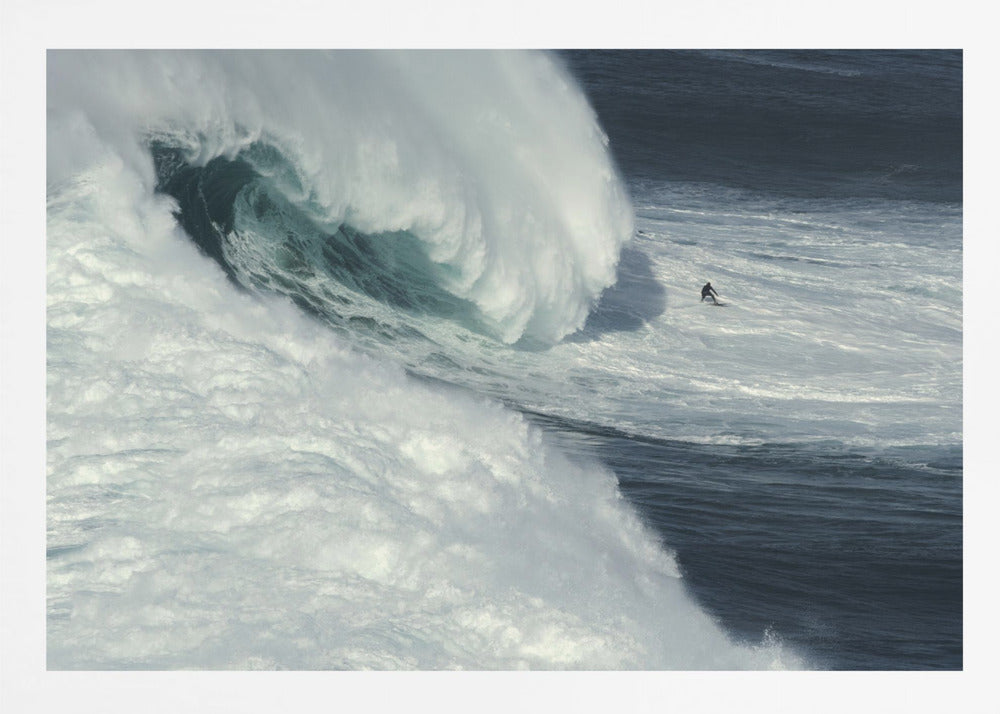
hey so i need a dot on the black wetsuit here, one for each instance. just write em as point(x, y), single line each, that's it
point(707, 292)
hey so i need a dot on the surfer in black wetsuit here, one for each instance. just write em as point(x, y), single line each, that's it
point(707, 292)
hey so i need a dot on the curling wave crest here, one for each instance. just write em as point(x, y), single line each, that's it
point(493, 161)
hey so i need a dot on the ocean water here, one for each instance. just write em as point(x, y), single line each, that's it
point(402, 364)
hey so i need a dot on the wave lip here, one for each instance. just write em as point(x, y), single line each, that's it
point(493, 160)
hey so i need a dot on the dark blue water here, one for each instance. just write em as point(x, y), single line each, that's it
point(808, 123)
point(852, 557)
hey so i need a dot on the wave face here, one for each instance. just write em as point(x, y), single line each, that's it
point(230, 484)
point(492, 162)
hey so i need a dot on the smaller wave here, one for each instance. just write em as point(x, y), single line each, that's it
point(763, 59)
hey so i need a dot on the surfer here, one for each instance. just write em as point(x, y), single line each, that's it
point(707, 292)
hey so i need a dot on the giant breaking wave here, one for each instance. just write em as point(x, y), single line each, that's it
point(229, 484)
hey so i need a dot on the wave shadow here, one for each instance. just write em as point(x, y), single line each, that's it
point(636, 298)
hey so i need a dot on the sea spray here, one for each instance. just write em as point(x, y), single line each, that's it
point(494, 161)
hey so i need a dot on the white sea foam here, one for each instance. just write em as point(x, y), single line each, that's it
point(230, 487)
point(843, 325)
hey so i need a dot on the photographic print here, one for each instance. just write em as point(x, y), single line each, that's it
point(504, 360)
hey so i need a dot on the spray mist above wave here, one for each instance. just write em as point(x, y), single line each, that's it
point(493, 161)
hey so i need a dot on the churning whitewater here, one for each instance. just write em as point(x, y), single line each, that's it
point(244, 470)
